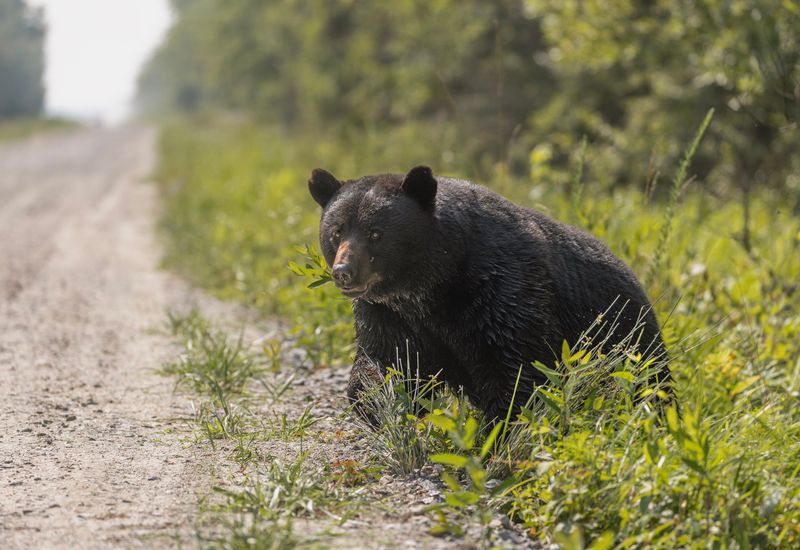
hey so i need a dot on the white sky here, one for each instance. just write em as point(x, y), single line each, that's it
point(95, 49)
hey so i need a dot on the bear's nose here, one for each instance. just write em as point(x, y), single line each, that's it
point(342, 274)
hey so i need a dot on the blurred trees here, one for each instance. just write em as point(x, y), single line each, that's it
point(319, 63)
point(521, 81)
point(22, 33)
point(638, 76)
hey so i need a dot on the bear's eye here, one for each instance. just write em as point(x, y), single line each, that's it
point(337, 234)
point(375, 235)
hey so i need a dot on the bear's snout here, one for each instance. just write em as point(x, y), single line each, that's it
point(342, 274)
point(348, 272)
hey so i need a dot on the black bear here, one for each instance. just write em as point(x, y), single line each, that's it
point(475, 286)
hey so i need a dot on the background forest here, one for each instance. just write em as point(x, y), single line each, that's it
point(509, 84)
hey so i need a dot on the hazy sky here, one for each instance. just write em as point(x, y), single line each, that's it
point(95, 49)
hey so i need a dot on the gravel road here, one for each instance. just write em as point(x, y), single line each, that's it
point(90, 451)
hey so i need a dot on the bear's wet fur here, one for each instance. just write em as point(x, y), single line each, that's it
point(475, 286)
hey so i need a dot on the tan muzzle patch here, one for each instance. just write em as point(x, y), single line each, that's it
point(343, 253)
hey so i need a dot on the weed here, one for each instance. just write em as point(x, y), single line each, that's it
point(277, 389)
point(677, 185)
point(288, 428)
point(393, 419)
point(212, 363)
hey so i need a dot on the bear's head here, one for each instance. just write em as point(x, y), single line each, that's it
point(375, 231)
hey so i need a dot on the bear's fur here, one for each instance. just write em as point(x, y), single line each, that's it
point(472, 284)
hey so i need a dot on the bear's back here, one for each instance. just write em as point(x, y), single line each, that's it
point(584, 275)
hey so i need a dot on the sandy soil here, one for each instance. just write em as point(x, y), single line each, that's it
point(90, 450)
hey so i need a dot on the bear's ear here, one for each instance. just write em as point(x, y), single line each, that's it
point(323, 186)
point(420, 185)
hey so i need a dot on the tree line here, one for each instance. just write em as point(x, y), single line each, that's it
point(521, 82)
point(22, 34)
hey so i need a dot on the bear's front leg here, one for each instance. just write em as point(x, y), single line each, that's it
point(365, 374)
point(382, 338)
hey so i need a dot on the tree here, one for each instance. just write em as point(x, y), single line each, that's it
point(22, 33)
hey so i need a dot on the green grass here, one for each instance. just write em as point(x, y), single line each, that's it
point(16, 129)
point(266, 493)
point(587, 464)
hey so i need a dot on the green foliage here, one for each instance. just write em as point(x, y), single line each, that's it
point(257, 507)
point(215, 366)
point(260, 511)
point(22, 32)
point(512, 84)
point(573, 107)
point(236, 217)
point(677, 184)
point(635, 76)
point(470, 503)
point(462, 65)
point(708, 476)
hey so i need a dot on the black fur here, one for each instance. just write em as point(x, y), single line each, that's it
point(475, 285)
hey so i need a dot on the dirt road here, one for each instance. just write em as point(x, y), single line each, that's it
point(89, 454)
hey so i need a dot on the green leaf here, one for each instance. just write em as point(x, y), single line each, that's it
point(487, 445)
point(319, 282)
point(457, 461)
point(566, 355)
point(672, 419)
point(623, 375)
point(546, 397)
point(694, 465)
point(295, 268)
point(461, 499)
point(744, 384)
point(441, 422)
point(450, 481)
point(577, 356)
point(603, 542)
point(470, 432)
point(553, 376)
point(557, 399)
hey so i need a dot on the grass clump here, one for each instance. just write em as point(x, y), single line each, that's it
point(212, 363)
point(392, 419)
point(260, 512)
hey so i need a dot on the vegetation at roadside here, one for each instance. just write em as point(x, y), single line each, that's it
point(19, 128)
point(230, 384)
point(580, 109)
point(586, 465)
